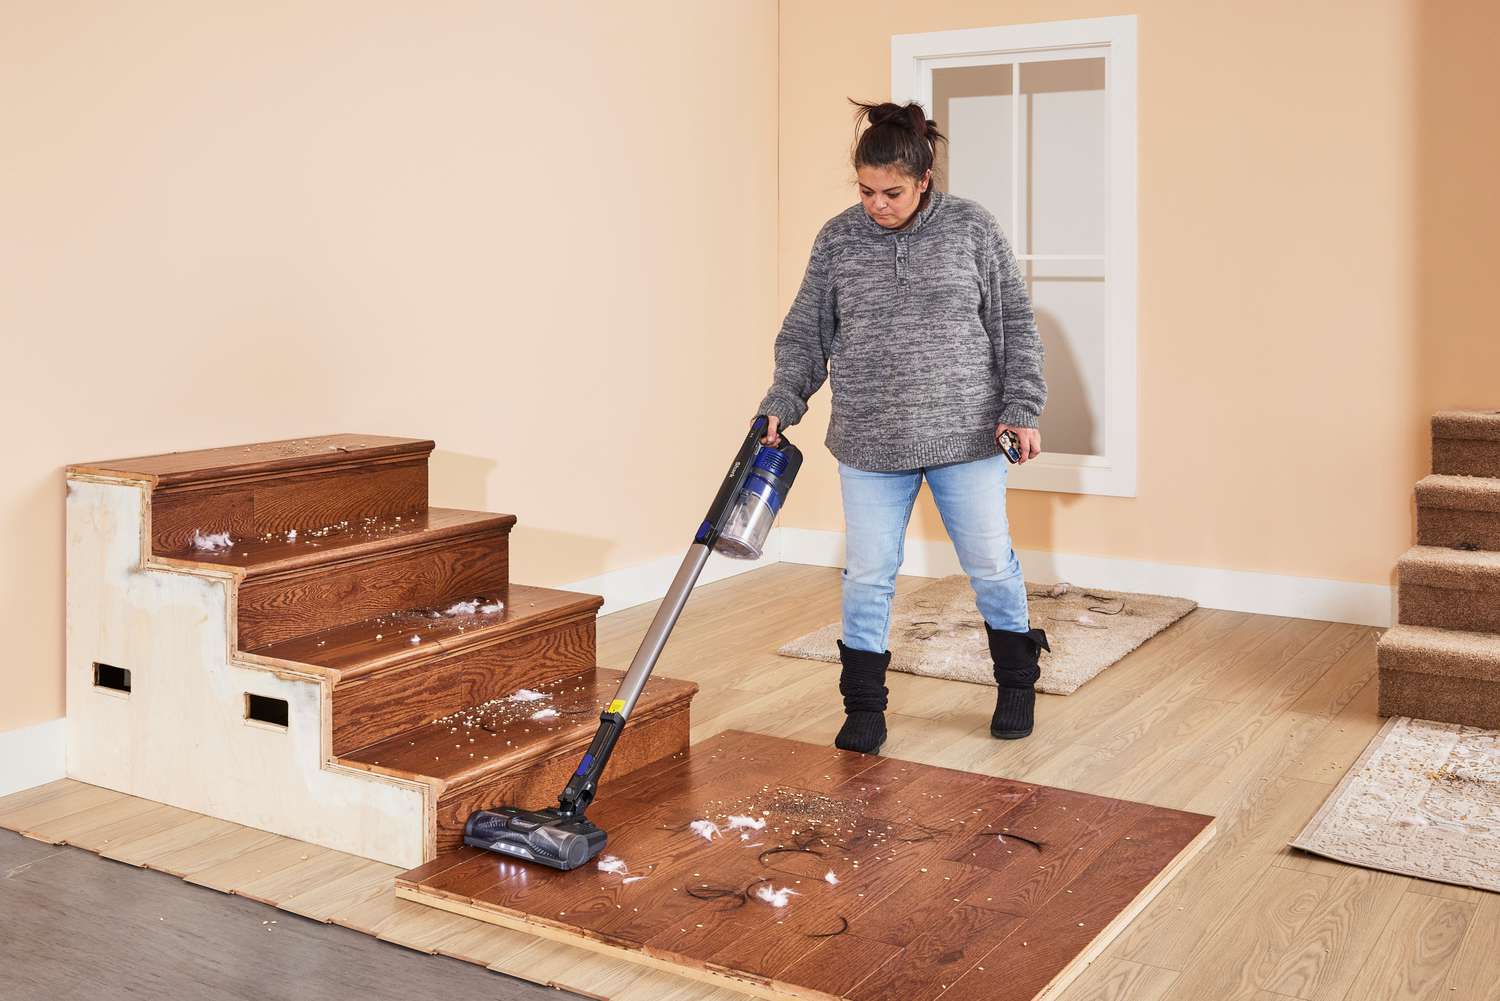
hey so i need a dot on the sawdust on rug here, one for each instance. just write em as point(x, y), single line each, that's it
point(1423, 800)
point(936, 631)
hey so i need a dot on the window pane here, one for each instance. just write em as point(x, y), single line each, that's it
point(972, 106)
point(1063, 122)
point(1068, 298)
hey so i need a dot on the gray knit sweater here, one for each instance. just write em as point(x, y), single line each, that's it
point(926, 333)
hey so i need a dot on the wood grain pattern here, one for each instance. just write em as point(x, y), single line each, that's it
point(417, 569)
point(258, 459)
point(1264, 794)
point(880, 831)
point(308, 501)
point(497, 754)
point(393, 685)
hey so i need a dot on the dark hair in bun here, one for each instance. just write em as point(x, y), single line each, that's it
point(899, 135)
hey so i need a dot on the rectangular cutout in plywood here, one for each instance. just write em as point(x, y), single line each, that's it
point(267, 711)
point(827, 874)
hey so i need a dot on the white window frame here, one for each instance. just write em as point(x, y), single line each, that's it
point(913, 58)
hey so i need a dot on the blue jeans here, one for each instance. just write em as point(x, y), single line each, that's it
point(971, 500)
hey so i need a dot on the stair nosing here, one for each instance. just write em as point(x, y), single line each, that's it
point(1420, 557)
point(1400, 639)
point(464, 643)
point(1466, 487)
point(118, 468)
point(319, 559)
point(563, 741)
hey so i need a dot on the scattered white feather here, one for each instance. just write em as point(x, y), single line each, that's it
point(705, 829)
point(1000, 838)
point(737, 822)
point(611, 864)
point(527, 695)
point(631, 879)
point(491, 608)
point(831, 879)
point(544, 714)
point(415, 639)
point(776, 898)
point(291, 535)
point(211, 543)
point(462, 608)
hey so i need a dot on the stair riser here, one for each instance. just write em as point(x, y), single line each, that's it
point(275, 504)
point(277, 607)
point(1466, 701)
point(377, 706)
point(1451, 528)
point(1449, 608)
point(1465, 457)
point(644, 741)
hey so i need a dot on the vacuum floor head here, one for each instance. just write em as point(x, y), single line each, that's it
point(544, 836)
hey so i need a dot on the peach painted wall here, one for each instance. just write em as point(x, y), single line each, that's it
point(1318, 212)
point(539, 234)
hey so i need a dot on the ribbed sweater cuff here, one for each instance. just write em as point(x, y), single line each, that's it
point(1018, 416)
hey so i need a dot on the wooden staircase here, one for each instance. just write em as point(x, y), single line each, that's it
point(1442, 660)
point(286, 635)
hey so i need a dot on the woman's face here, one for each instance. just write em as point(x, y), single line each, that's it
point(890, 196)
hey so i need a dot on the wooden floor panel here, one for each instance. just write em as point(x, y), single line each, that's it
point(982, 864)
point(1369, 936)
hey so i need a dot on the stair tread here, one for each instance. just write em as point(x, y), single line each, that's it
point(1453, 652)
point(453, 749)
point(1483, 425)
point(1445, 567)
point(1465, 493)
point(173, 468)
point(383, 642)
point(278, 554)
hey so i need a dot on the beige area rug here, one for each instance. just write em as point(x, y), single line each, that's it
point(936, 631)
point(1423, 800)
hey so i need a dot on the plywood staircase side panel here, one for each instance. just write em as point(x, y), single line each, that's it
point(180, 735)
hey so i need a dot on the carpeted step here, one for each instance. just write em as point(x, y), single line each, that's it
point(1459, 512)
point(1450, 589)
point(1466, 442)
point(1440, 674)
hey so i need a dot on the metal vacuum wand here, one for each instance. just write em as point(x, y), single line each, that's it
point(736, 524)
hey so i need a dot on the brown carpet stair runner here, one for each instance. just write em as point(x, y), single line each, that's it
point(1442, 659)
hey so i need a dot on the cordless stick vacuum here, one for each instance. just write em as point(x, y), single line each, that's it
point(736, 525)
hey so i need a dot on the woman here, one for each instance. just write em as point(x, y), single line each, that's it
point(913, 305)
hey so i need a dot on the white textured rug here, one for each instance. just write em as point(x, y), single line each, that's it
point(1423, 800)
point(936, 631)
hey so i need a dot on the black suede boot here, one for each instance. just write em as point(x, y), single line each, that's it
point(862, 684)
point(1016, 657)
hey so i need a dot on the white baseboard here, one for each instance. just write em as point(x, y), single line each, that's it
point(1236, 590)
point(33, 756)
point(637, 585)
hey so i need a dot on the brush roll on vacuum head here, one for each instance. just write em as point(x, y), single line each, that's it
point(544, 836)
